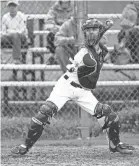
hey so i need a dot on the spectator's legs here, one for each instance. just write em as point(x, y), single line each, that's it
point(16, 41)
point(63, 57)
point(6, 42)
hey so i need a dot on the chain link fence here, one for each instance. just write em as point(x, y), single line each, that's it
point(118, 87)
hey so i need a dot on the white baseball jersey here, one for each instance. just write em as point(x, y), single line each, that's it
point(17, 23)
point(64, 91)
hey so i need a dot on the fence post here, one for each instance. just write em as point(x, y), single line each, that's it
point(5, 94)
point(15, 91)
point(24, 76)
point(84, 119)
point(33, 93)
point(41, 23)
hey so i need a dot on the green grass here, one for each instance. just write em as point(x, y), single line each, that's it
point(16, 127)
point(64, 127)
point(130, 138)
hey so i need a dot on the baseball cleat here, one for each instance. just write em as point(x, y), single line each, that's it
point(122, 148)
point(19, 150)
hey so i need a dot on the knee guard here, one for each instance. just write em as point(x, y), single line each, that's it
point(46, 112)
point(111, 121)
point(104, 110)
point(38, 122)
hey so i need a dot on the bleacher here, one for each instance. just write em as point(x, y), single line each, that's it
point(42, 67)
point(35, 49)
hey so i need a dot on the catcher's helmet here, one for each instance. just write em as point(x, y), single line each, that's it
point(63, 1)
point(92, 29)
point(91, 23)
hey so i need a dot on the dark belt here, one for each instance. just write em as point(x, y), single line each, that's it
point(73, 83)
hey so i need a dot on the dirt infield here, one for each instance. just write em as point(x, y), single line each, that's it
point(71, 153)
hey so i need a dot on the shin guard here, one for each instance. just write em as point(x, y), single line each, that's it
point(110, 122)
point(34, 133)
point(37, 123)
point(113, 133)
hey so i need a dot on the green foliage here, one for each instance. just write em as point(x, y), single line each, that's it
point(16, 127)
point(13, 127)
point(129, 119)
point(61, 128)
point(64, 128)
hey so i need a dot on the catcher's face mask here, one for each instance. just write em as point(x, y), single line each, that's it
point(91, 29)
point(91, 35)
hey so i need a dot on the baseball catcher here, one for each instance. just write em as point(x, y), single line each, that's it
point(76, 85)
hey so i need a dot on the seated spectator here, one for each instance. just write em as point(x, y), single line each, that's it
point(65, 40)
point(14, 31)
point(60, 12)
point(128, 38)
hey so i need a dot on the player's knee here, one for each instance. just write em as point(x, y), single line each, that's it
point(104, 110)
point(46, 111)
point(108, 112)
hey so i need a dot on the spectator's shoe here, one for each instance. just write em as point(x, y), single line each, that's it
point(19, 150)
point(122, 148)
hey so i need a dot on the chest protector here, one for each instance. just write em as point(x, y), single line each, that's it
point(88, 73)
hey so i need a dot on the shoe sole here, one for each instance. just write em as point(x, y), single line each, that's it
point(125, 151)
point(18, 153)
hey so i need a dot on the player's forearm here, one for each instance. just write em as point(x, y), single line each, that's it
point(4, 29)
point(11, 31)
point(61, 40)
point(49, 22)
point(49, 26)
